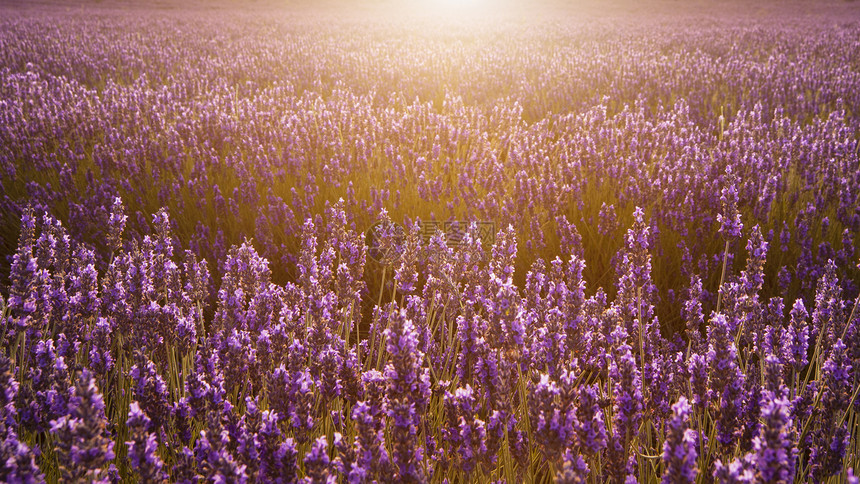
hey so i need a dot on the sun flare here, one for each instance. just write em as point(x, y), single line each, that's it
point(456, 8)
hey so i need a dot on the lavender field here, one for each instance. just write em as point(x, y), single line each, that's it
point(270, 244)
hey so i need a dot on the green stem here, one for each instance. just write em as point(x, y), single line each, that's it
point(722, 276)
point(373, 331)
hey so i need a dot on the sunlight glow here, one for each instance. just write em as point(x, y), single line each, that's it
point(455, 8)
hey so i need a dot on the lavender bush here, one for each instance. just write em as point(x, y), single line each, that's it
point(188, 294)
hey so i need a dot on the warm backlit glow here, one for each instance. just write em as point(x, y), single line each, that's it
point(455, 8)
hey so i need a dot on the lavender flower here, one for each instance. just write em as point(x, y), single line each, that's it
point(116, 226)
point(552, 425)
point(143, 446)
point(82, 443)
point(798, 332)
point(150, 390)
point(245, 275)
point(837, 379)
point(627, 396)
point(608, 220)
point(17, 463)
point(637, 249)
point(829, 441)
point(464, 432)
point(590, 426)
point(750, 413)
point(406, 270)
point(277, 454)
point(184, 470)
point(698, 365)
point(317, 464)
point(694, 315)
point(729, 218)
point(570, 240)
point(47, 397)
point(573, 470)
point(408, 394)
point(101, 360)
point(291, 394)
point(726, 382)
point(826, 456)
point(739, 471)
point(774, 450)
point(752, 278)
point(680, 447)
point(372, 460)
point(828, 317)
point(10, 390)
point(215, 462)
point(239, 361)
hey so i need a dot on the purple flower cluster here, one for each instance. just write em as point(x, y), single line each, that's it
point(251, 392)
point(615, 327)
point(680, 449)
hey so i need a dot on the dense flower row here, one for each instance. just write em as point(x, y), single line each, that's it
point(245, 332)
point(247, 126)
point(469, 376)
